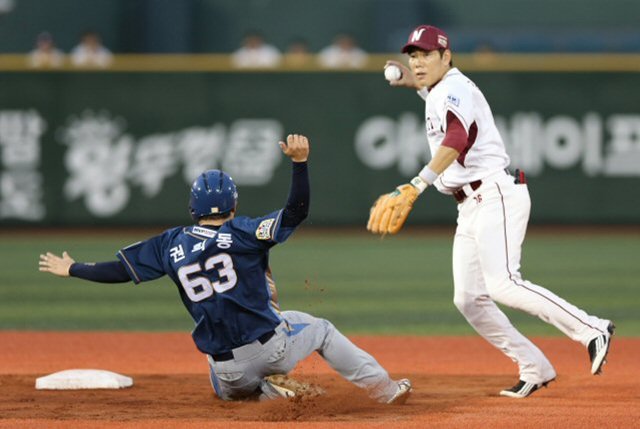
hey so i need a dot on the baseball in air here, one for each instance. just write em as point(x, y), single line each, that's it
point(392, 73)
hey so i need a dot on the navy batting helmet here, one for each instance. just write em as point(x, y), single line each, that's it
point(212, 193)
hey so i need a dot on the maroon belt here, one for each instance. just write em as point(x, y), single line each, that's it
point(460, 195)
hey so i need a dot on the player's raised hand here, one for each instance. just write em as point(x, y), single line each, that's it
point(296, 147)
point(407, 79)
point(55, 264)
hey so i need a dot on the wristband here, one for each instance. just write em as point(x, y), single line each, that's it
point(419, 184)
point(428, 175)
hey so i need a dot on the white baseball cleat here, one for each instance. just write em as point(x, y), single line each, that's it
point(523, 389)
point(599, 348)
point(402, 393)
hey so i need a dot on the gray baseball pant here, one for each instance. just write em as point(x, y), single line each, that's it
point(297, 337)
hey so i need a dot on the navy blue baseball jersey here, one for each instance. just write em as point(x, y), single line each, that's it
point(222, 274)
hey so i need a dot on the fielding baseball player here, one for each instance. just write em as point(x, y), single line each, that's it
point(221, 269)
point(469, 162)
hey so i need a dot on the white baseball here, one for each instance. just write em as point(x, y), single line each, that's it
point(392, 73)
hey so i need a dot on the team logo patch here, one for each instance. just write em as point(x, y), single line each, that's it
point(264, 229)
point(442, 41)
point(453, 100)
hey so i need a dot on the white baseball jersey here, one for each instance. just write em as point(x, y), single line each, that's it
point(484, 153)
point(492, 222)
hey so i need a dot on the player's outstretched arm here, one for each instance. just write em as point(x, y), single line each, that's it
point(55, 264)
point(101, 272)
point(390, 211)
point(297, 206)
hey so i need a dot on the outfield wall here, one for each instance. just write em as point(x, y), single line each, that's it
point(122, 147)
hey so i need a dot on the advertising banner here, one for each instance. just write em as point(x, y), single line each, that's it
point(122, 148)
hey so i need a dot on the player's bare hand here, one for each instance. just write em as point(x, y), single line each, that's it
point(407, 80)
point(296, 147)
point(55, 264)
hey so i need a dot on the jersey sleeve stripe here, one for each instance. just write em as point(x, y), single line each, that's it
point(459, 116)
point(276, 224)
point(456, 136)
point(473, 133)
point(129, 266)
point(199, 237)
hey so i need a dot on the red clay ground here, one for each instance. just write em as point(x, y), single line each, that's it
point(456, 381)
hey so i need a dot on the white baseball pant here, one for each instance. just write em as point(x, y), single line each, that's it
point(492, 223)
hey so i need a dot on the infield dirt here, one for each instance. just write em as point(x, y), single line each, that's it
point(456, 381)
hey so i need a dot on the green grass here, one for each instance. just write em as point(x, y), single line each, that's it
point(399, 285)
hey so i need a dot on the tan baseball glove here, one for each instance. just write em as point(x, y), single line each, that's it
point(389, 212)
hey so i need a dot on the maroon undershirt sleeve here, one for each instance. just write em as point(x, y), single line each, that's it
point(456, 136)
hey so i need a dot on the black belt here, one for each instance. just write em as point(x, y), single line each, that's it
point(229, 355)
point(459, 193)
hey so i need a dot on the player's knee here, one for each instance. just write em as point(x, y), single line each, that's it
point(327, 326)
point(327, 333)
point(464, 303)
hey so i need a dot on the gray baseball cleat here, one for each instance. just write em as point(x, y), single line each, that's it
point(524, 389)
point(599, 348)
point(402, 393)
point(272, 390)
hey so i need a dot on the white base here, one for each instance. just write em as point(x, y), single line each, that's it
point(83, 379)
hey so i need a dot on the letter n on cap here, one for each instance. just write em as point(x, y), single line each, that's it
point(417, 34)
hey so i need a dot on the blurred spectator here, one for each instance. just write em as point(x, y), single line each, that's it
point(343, 52)
point(6, 6)
point(90, 52)
point(484, 53)
point(484, 47)
point(255, 53)
point(298, 54)
point(45, 53)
